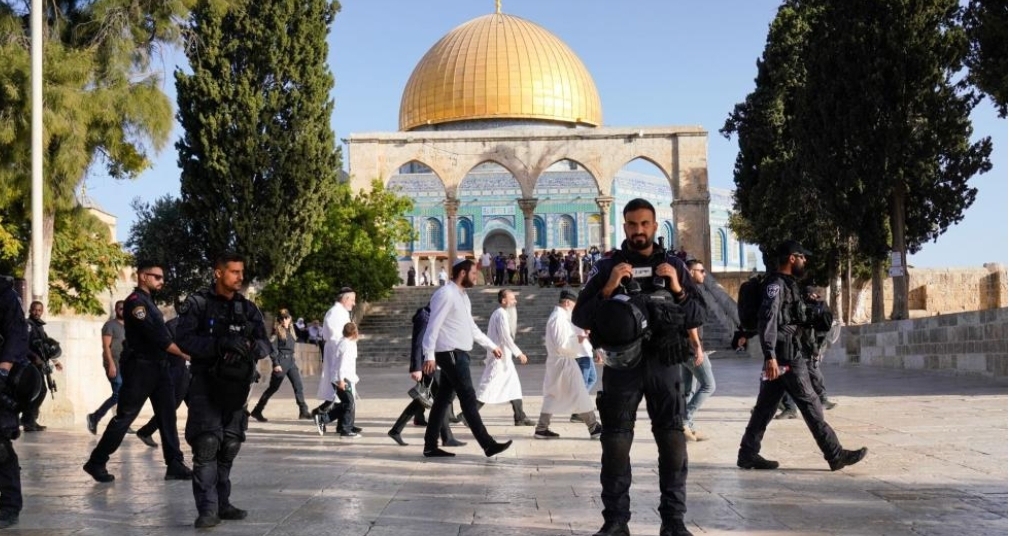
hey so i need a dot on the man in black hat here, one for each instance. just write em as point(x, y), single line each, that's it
point(780, 318)
point(641, 269)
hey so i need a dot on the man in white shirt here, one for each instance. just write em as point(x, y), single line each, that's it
point(333, 328)
point(448, 340)
point(564, 388)
point(486, 268)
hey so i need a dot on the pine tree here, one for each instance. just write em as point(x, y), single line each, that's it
point(259, 159)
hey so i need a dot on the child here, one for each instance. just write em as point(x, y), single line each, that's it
point(340, 371)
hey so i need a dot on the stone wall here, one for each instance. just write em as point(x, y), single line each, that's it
point(82, 385)
point(974, 342)
point(932, 291)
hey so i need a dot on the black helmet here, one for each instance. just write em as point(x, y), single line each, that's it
point(618, 328)
point(25, 384)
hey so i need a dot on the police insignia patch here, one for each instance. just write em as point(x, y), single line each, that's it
point(139, 312)
point(772, 291)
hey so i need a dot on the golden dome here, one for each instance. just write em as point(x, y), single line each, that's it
point(496, 67)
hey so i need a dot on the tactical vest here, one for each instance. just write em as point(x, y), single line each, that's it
point(230, 379)
point(667, 338)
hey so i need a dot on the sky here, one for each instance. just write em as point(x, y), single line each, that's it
point(655, 63)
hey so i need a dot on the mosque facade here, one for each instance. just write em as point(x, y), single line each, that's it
point(501, 149)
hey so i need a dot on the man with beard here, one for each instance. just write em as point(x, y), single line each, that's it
point(37, 345)
point(780, 317)
point(448, 340)
point(145, 376)
point(641, 269)
point(113, 335)
point(500, 382)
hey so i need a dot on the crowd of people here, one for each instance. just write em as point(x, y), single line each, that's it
point(639, 313)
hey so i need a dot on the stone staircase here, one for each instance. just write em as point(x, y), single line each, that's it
point(386, 326)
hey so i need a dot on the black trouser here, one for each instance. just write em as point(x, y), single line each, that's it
point(215, 435)
point(417, 410)
point(180, 384)
point(10, 470)
point(618, 399)
point(288, 370)
point(817, 383)
point(796, 382)
point(31, 414)
point(455, 378)
point(143, 379)
point(346, 418)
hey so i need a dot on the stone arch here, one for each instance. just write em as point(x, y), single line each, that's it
point(433, 167)
point(499, 239)
point(418, 183)
point(641, 177)
point(473, 176)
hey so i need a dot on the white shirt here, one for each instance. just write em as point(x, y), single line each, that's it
point(347, 362)
point(333, 323)
point(559, 335)
point(486, 260)
point(587, 347)
point(451, 326)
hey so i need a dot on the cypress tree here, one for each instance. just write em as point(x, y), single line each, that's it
point(259, 159)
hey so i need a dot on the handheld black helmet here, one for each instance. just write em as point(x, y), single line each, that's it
point(619, 327)
point(24, 384)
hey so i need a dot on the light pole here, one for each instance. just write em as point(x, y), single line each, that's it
point(36, 275)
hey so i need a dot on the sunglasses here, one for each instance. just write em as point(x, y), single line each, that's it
point(157, 277)
point(700, 270)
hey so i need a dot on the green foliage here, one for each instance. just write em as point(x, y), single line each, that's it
point(103, 103)
point(884, 125)
point(85, 262)
point(774, 199)
point(259, 159)
point(985, 23)
point(162, 232)
point(855, 116)
point(355, 247)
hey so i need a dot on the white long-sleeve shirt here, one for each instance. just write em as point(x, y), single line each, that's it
point(451, 325)
point(347, 362)
point(333, 323)
point(559, 335)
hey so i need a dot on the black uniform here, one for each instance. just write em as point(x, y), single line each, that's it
point(810, 342)
point(283, 355)
point(622, 390)
point(779, 317)
point(217, 421)
point(37, 338)
point(13, 349)
point(145, 366)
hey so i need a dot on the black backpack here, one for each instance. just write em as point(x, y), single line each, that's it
point(749, 299)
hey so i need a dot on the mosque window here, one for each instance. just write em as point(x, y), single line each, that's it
point(464, 235)
point(433, 234)
point(593, 230)
point(668, 235)
point(540, 233)
point(719, 247)
point(566, 232)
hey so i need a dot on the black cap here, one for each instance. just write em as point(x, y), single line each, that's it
point(568, 295)
point(790, 247)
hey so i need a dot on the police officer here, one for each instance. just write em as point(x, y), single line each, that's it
point(145, 367)
point(812, 335)
point(786, 370)
point(641, 262)
point(14, 370)
point(224, 333)
point(40, 352)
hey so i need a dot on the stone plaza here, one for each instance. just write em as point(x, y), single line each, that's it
point(937, 466)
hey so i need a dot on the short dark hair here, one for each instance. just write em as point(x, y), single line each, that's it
point(462, 266)
point(502, 294)
point(146, 264)
point(692, 262)
point(638, 204)
point(226, 258)
point(34, 303)
point(118, 303)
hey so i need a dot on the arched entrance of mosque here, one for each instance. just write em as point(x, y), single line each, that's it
point(499, 240)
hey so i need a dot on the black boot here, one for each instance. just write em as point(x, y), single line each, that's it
point(303, 412)
point(520, 418)
point(613, 528)
point(257, 412)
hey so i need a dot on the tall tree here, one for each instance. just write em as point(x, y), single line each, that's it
point(985, 23)
point(259, 159)
point(356, 247)
point(163, 233)
point(882, 119)
point(103, 103)
point(775, 199)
